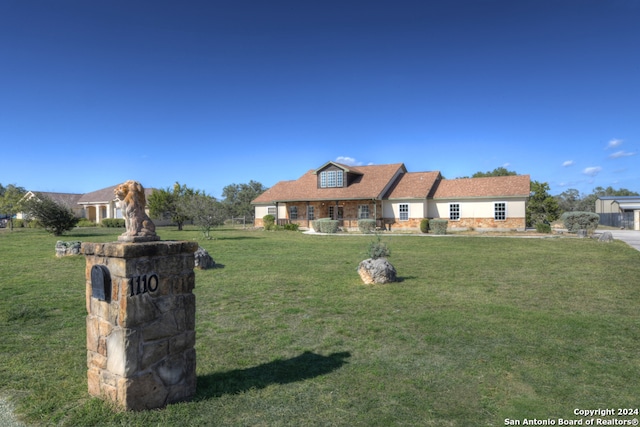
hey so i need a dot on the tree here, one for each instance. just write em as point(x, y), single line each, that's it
point(500, 171)
point(542, 207)
point(572, 201)
point(238, 197)
point(610, 191)
point(170, 204)
point(54, 217)
point(205, 211)
point(10, 197)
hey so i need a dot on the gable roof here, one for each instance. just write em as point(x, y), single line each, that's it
point(374, 182)
point(65, 199)
point(394, 182)
point(494, 186)
point(346, 168)
point(412, 185)
point(105, 195)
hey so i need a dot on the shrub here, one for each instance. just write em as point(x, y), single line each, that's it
point(378, 249)
point(366, 226)
point(113, 222)
point(438, 226)
point(424, 225)
point(574, 221)
point(18, 223)
point(543, 227)
point(325, 225)
point(84, 222)
point(269, 222)
point(291, 226)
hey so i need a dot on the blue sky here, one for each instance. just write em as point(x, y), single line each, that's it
point(211, 93)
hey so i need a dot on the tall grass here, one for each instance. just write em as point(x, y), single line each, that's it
point(479, 329)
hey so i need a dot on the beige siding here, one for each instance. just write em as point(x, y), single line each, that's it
point(470, 208)
point(480, 213)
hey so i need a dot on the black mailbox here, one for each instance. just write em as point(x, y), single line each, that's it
point(101, 283)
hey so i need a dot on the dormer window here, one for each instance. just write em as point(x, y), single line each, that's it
point(331, 179)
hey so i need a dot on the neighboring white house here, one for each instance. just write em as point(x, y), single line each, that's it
point(396, 198)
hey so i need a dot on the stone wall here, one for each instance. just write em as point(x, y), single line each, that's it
point(488, 224)
point(141, 335)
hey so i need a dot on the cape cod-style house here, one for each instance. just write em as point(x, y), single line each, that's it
point(396, 198)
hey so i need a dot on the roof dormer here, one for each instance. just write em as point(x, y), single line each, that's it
point(336, 175)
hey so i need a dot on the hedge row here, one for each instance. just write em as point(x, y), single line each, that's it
point(112, 222)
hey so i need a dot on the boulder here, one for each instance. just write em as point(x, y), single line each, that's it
point(606, 237)
point(203, 259)
point(67, 248)
point(377, 270)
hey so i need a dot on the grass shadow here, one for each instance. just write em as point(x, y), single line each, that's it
point(237, 238)
point(307, 365)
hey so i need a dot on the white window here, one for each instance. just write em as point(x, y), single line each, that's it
point(363, 211)
point(310, 212)
point(500, 211)
point(404, 212)
point(330, 179)
point(293, 212)
point(454, 211)
point(271, 210)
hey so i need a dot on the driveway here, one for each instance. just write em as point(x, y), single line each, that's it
point(631, 237)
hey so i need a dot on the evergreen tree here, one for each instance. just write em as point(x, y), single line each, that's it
point(238, 197)
point(542, 207)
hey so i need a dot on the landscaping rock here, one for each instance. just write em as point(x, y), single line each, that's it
point(67, 248)
point(203, 259)
point(376, 271)
point(606, 237)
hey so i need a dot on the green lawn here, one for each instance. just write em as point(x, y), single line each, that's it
point(478, 330)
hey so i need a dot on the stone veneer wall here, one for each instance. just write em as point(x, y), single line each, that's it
point(463, 223)
point(141, 338)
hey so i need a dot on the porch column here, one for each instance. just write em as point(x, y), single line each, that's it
point(636, 220)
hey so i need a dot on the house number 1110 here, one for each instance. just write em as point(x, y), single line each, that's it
point(143, 284)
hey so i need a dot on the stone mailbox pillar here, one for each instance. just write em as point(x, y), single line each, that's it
point(141, 322)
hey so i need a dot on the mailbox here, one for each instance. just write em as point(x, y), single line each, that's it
point(101, 283)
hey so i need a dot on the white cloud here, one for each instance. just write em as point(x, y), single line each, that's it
point(592, 170)
point(349, 161)
point(619, 154)
point(614, 143)
point(568, 163)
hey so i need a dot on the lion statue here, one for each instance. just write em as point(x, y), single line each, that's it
point(132, 201)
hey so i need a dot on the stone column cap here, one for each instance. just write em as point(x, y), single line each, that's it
point(133, 250)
